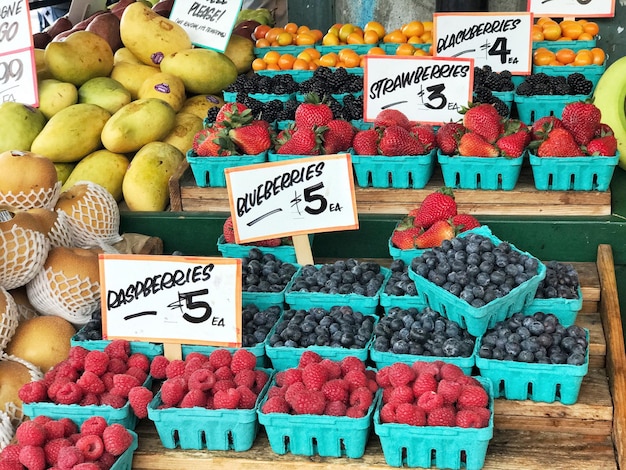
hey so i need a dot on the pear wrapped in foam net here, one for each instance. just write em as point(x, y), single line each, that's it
point(9, 318)
point(40, 197)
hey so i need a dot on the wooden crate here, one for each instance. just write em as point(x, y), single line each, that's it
point(524, 199)
point(588, 435)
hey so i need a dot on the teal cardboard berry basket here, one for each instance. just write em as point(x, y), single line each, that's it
point(151, 350)
point(531, 108)
point(125, 461)
point(209, 171)
point(584, 173)
point(466, 172)
point(566, 310)
point(399, 172)
point(591, 72)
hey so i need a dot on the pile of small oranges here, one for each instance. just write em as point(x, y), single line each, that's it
point(566, 56)
point(348, 33)
point(548, 29)
point(413, 32)
point(288, 35)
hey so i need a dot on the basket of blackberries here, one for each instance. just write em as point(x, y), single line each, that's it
point(344, 282)
point(558, 293)
point(534, 357)
point(476, 280)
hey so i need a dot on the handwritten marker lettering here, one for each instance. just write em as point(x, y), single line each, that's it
point(497, 26)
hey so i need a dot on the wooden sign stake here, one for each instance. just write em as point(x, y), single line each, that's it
point(303, 249)
point(172, 351)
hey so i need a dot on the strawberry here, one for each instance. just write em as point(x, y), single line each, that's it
point(447, 137)
point(212, 141)
point(605, 146)
point(513, 145)
point(365, 142)
point(543, 125)
point(484, 120)
point(253, 138)
point(228, 230)
point(581, 118)
point(338, 137)
point(464, 222)
point(232, 109)
point(559, 143)
point(603, 129)
point(312, 112)
point(397, 140)
point(433, 236)
point(473, 144)
point(392, 117)
point(425, 134)
point(303, 141)
point(437, 205)
point(269, 242)
point(404, 235)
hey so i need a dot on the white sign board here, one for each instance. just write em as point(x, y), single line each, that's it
point(501, 40)
point(572, 8)
point(292, 197)
point(426, 89)
point(171, 299)
point(18, 75)
point(209, 23)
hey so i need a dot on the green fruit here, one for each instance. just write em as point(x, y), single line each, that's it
point(105, 92)
point(54, 95)
point(241, 51)
point(19, 125)
point(102, 167)
point(64, 170)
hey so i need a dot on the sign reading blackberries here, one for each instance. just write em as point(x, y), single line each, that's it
point(500, 40)
point(572, 8)
point(292, 197)
point(209, 23)
point(171, 299)
point(18, 76)
point(425, 89)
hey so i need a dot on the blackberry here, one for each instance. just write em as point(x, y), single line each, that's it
point(352, 107)
point(271, 110)
point(256, 106)
point(355, 84)
point(579, 85)
point(313, 85)
point(265, 84)
point(338, 80)
point(284, 84)
point(335, 106)
point(289, 110)
point(501, 107)
point(322, 73)
point(211, 114)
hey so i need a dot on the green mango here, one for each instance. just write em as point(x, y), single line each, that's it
point(105, 92)
point(19, 125)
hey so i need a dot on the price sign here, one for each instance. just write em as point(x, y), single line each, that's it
point(171, 299)
point(427, 89)
point(292, 197)
point(501, 40)
point(209, 23)
point(18, 76)
point(572, 8)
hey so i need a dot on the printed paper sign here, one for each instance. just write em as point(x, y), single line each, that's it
point(18, 76)
point(292, 197)
point(209, 23)
point(426, 89)
point(501, 40)
point(171, 299)
point(572, 8)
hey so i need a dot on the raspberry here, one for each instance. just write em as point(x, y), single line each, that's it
point(116, 439)
point(276, 391)
point(388, 413)
point(289, 377)
point(192, 365)
point(193, 397)
point(336, 390)
point(356, 378)
point(307, 358)
point(117, 365)
point(201, 379)
point(228, 399)
point(245, 377)
point(175, 368)
point(33, 457)
point(30, 434)
point(139, 398)
point(242, 359)
point(334, 368)
point(292, 390)
point(355, 412)
point(113, 400)
point(400, 374)
point(349, 363)
point(52, 448)
point(122, 383)
point(89, 399)
point(91, 446)
point(483, 413)
point(372, 385)
point(260, 379)
point(91, 383)
point(335, 408)
point(224, 385)
point(450, 371)
point(33, 392)
point(97, 362)
point(158, 367)
point(107, 380)
point(382, 377)
point(220, 358)
point(309, 402)
point(11, 453)
point(54, 387)
point(41, 419)
point(314, 376)
point(402, 394)
point(69, 457)
point(406, 413)
point(119, 348)
point(94, 425)
point(69, 394)
point(247, 398)
point(76, 357)
point(275, 404)
point(424, 382)
point(431, 368)
point(172, 392)
point(468, 380)
point(223, 373)
point(444, 416)
point(139, 360)
point(449, 390)
point(54, 429)
point(472, 396)
point(468, 419)
point(361, 398)
point(138, 373)
point(65, 369)
point(107, 460)
point(193, 355)
point(428, 401)
point(87, 466)
point(70, 426)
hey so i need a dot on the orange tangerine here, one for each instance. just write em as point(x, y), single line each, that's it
point(314, 53)
point(330, 39)
point(405, 49)
point(370, 37)
point(305, 39)
point(537, 35)
point(427, 37)
point(352, 61)
point(591, 27)
point(376, 51)
point(395, 36)
point(551, 31)
point(303, 29)
point(413, 28)
point(362, 62)
point(273, 33)
point(284, 39)
point(585, 37)
point(345, 31)
point(565, 55)
point(583, 57)
point(599, 56)
point(262, 43)
point(285, 62)
point(259, 64)
point(544, 19)
point(428, 26)
point(329, 59)
point(303, 55)
point(419, 52)
point(273, 67)
point(415, 40)
point(375, 26)
point(346, 52)
point(300, 64)
point(355, 38)
point(316, 33)
point(572, 31)
point(314, 64)
point(271, 57)
point(543, 57)
point(260, 31)
point(291, 28)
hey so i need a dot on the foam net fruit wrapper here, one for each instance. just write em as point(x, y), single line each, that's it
point(24, 254)
point(9, 320)
point(61, 232)
point(45, 198)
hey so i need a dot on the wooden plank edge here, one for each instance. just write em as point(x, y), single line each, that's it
point(615, 356)
point(176, 200)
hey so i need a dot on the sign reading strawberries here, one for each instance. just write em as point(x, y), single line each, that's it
point(500, 40)
point(18, 76)
point(292, 197)
point(572, 8)
point(171, 299)
point(426, 89)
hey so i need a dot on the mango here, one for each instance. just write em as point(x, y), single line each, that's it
point(19, 125)
point(150, 36)
point(146, 184)
point(139, 122)
point(123, 54)
point(105, 92)
point(54, 95)
point(203, 71)
point(131, 76)
point(79, 57)
point(165, 86)
point(200, 104)
point(101, 167)
point(241, 51)
point(64, 170)
point(185, 128)
point(72, 133)
point(40, 64)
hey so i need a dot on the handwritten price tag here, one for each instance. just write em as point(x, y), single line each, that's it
point(18, 76)
point(171, 299)
point(427, 89)
point(572, 8)
point(292, 197)
point(209, 23)
point(500, 40)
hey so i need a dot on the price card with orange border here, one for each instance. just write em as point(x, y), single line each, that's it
point(171, 299)
point(209, 23)
point(500, 40)
point(426, 89)
point(572, 8)
point(18, 75)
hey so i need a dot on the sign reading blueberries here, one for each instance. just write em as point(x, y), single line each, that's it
point(500, 40)
point(426, 89)
point(570, 8)
point(18, 76)
point(171, 299)
point(209, 23)
point(292, 197)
